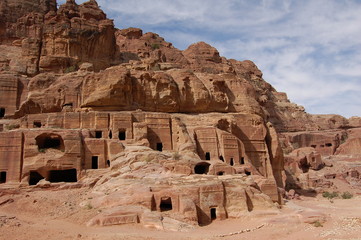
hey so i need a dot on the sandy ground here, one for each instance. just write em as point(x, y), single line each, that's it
point(40, 214)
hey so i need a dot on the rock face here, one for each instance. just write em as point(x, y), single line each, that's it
point(172, 138)
point(42, 38)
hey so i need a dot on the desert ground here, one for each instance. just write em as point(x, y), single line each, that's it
point(59, 214)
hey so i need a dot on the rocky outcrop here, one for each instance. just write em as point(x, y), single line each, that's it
point(43, 38)
point(163, 137)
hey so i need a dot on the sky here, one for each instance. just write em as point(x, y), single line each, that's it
point(310, 49)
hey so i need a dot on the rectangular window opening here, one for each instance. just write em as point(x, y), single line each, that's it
point(98, 134)
point(37, 124)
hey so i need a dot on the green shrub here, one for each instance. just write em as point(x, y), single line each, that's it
point(42, 150)
point(317, 224)
point(155, 46)
point(12, 126)
point(346, 195)
point(176, 156)
point(88, 206)
point(330, 195)
point(70, 69)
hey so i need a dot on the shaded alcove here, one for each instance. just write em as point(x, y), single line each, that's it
point(50, 140)
point(213, 213)
point(68, 175)
point(201, 168)
point(34, 177)
point(122, 134)
point(208, 156)
point(3, 177)
point(37, 124)
point(241, 161)
point(231, 162)
point(95, 163)
point(160, 147)
point(98, 134)
point(165, 204)
point(2, 112)
point(220, 173)
point(110, 135)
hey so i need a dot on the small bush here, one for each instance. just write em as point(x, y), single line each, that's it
point(42, 150)
point(155, 46)
point(70, 69)
point(12, 126)
point(346, 195)
point(88, 206)
point(317, 224)
point(176, 156)
point(330, 195)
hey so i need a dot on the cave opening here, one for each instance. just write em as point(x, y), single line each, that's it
point(37, 124)
point(160, 147)
point(165, 204)
point(68, 175)
point(2, 112)
point(95, 162)
point(35, 177)
point(201, 168)
point(98, 134)
point(3, 177)
point(122, 135)
point(213, 213)
point(50, 140)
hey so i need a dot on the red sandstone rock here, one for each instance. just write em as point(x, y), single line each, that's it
point(165, 138)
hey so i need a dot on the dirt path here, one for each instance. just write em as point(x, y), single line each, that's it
point(44, 215)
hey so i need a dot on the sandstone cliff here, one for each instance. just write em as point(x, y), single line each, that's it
point(188, 132)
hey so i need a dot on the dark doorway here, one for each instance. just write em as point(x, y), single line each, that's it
point(220, 173)
point(231, 162)
point(2, 177)
point(247, 173)
point(221, 158)
point(213, 213)
point(2, 112)
point(108, 163)
point(208, 156)
point(110, 134)
point(122, 135)
point(98, 134)
point(241, 161)
point(94, 162)
point(63, 175)
point(165, 204)
point(37, 124)
point(160, 147)
point(34, 178)
point(328, 144)
point(201, 168)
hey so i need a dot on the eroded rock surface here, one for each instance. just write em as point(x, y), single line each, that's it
point(167, 138)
